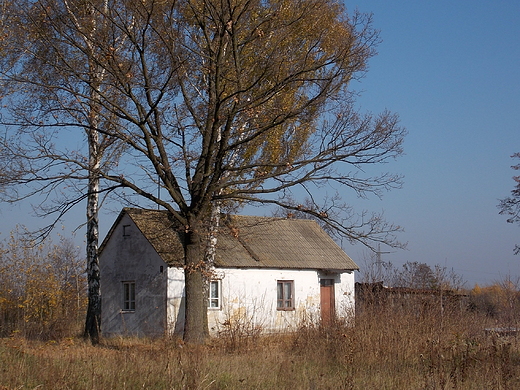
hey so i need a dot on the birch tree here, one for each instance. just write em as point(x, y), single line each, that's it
point(60, 36)
point(228, 103)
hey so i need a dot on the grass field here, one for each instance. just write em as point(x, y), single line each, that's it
point(384, 350)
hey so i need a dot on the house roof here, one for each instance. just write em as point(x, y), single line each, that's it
point(249, 242)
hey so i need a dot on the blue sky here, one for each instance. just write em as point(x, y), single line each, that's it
point(451, 69)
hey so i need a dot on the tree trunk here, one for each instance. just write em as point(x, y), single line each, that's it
point(195, 321)
point(93, 320)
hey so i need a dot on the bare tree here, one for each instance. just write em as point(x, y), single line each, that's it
point(46, 68)
point(224, 103)
point(510, 206)
point(419, 275)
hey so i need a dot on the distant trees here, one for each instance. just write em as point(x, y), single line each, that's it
point(42, 288)
point(500, 301)
point(414, 275)
point(217, 104)
point(510, 206)
point(422, 276)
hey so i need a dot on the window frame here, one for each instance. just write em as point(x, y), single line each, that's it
point(218, 298)
point(282, 300)
point(129, 295)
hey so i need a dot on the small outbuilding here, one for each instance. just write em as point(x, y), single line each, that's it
point(271, 274)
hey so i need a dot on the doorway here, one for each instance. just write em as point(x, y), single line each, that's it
point(327, 302)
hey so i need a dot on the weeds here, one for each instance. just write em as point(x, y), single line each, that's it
point(388, 347)
point(384, 350)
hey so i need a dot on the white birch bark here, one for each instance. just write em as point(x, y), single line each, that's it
point(216, 210)
point(93, 320)
point(93, 317)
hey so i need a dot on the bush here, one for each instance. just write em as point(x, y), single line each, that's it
point(42, 288)
point(500, 302)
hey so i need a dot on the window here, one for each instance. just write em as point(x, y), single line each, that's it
point(214, 294)
point(285, 295)
point(126, 230)
point(129, 296)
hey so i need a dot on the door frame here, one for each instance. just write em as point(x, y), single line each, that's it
point(327, 301)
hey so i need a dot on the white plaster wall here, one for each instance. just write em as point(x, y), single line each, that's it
point(344, 295)
point(175, 300)
point(249, 299)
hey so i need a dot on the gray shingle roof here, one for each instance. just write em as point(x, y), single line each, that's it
point(250, 242)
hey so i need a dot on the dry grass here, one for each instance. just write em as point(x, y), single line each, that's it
point(383, 351)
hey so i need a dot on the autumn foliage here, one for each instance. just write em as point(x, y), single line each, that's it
point(42, 288)
point(499, 301)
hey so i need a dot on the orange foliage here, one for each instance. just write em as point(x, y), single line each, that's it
point(500, 300)
point(42, 288)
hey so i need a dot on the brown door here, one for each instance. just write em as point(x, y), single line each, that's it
point(327, 300)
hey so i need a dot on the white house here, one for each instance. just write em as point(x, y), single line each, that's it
point(270, 274)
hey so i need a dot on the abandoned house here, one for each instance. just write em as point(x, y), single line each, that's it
point(270, 275)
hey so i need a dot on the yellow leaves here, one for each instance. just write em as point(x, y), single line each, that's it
point(39, 286)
